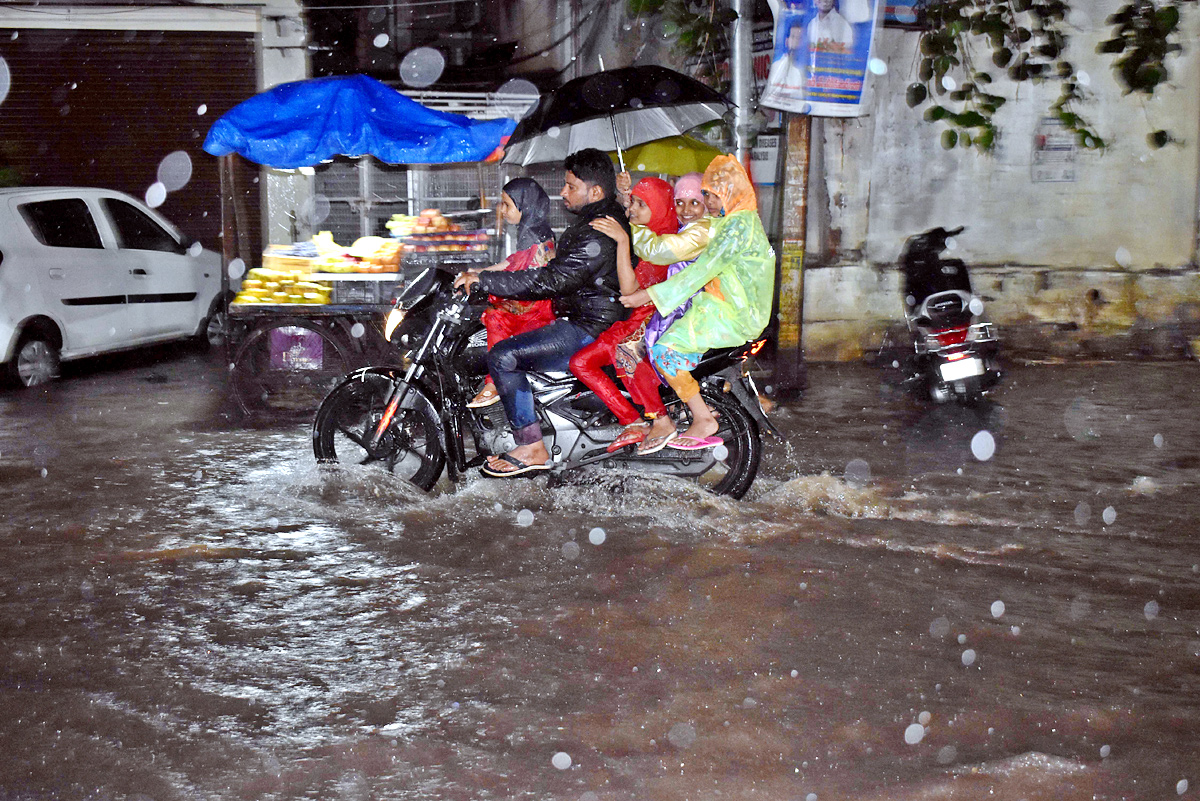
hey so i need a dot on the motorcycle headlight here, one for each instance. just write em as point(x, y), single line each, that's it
point(394, 318)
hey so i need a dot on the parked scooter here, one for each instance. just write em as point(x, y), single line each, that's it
point(412, 418)
point(955, 354)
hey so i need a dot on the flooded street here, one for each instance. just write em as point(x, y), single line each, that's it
point(911, 603)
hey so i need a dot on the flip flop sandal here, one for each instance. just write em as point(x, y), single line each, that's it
point(695, 443)
point(656, 444)
point(632, 435)
point(522, 468)
point(485, 398)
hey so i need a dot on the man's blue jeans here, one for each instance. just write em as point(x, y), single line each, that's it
point(547, 348)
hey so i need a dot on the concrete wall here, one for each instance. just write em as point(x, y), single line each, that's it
point(1101, 265)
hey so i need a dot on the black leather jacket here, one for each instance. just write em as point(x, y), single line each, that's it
point(581, 279)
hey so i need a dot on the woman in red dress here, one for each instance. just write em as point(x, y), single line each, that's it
point(525, 204)
point(652, 205)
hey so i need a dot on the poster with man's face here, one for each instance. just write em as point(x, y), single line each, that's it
point(822, 48)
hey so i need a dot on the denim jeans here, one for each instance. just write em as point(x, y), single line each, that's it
point(547, 348)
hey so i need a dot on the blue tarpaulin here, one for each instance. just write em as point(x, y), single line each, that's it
point(303, 123)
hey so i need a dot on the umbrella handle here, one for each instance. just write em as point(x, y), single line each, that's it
point(617, 142)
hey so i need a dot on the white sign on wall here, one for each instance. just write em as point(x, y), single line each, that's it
point(1055, 154)
point(764, 160)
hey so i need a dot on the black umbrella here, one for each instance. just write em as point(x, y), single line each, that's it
point(611, 110)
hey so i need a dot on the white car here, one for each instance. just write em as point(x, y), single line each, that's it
point(91, 271)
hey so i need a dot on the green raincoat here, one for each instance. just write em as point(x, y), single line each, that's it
point(736, 306)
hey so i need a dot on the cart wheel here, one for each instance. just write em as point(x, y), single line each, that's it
point(286, 367)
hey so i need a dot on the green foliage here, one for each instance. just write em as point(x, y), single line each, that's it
point(1028, 40)
point(696, 28)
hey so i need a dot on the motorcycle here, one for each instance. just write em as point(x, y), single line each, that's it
point(413, 420)
point(955, 355)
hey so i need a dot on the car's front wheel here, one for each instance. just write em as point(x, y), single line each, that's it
point(34, 361)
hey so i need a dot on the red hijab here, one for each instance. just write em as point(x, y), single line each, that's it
point(660, 197)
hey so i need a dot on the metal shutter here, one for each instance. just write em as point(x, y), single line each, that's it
point(103, 108)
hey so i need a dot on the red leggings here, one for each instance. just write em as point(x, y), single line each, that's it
point(643, 385)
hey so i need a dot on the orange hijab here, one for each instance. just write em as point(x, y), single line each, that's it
point(727, 179)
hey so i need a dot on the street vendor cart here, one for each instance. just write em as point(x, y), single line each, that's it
point(399, 188)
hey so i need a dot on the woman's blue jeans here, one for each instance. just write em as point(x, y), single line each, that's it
point(547, 348)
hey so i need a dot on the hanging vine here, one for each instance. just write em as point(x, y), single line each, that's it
point(965, 44)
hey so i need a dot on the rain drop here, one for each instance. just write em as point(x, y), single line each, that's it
point(962, 638)
point(924, 718)
point(1150, 610)
point(596, 536)
point(237, 268)
point(997, 608)
point(1110, 515)
point(570, 550)
point(720, 453)
point(499, 507)
point(45, 472)
point(1082, 78)
point(810, 797)
point(947, 754)
point(877, 66)
point(1105, 750)
point(592, 249)
point(315, 210)
point(5, 79)
point(1083, 513)
point(524, 518)
point(968, 657)
point(195, 249)
point(914, 734)
point(640, 168)
point(156, 195)
point(1122, 256)
point(357, 330)
point(1158, 440)
point(951, 243)
point(682, 735)
point(858, 473)
point(201, 110)
point(949, 84)
point(940, 627)
point(1181, 787)
point(175, 170)
point(421, 67)
point(983, 445)
point(554, 132)
point(975, 306)
point(382, 40)
point(561, 760)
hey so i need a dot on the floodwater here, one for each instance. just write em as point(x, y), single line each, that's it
point(903, 607)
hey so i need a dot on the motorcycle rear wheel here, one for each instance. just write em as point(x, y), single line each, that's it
point(347, 418)
point(734, 467)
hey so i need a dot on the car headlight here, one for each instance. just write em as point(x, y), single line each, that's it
point(394, 318)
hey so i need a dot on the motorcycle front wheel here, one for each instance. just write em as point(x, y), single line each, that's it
point(411, 447)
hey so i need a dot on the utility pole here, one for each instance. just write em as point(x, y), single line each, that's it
point(790, 376)
point(742, 78)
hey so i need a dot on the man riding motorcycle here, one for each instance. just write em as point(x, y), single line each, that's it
point(581, 280)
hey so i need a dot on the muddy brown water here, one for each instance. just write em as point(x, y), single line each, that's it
point(911, 603)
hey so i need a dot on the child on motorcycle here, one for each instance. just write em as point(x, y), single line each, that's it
point(525, 204)
point(679, 250)
point(651, 207)
point(737, 273)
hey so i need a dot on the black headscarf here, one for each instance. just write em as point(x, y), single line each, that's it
point(534, 204)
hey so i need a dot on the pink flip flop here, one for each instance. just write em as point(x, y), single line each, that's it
point(694, 443)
